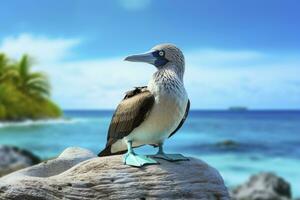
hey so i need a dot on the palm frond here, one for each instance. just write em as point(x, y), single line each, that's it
point(35, 83)
point(24, 66)
point(39, 90)
point(37, 86)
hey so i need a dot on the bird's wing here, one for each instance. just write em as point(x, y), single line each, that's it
point(183, 119)
point(130, 113)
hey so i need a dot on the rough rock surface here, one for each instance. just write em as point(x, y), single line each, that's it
point(13, 158)
point(78, 174)
point(263, 186)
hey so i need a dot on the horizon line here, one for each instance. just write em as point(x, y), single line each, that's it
point(198, 109)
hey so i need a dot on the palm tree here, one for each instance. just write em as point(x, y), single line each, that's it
point(31, 83)
point(3, 66)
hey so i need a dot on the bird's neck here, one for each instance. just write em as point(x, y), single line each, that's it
point(166, 80)
point(168, 73)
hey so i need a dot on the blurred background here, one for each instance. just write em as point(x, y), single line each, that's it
point(242, 77)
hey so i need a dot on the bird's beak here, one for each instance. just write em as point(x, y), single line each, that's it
point(147, 57)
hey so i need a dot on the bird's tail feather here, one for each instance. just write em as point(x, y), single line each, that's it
point(107, 152)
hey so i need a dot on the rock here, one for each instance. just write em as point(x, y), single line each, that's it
point(227, 144)
point(79, 174)
point(263, 186)
point(14, 158)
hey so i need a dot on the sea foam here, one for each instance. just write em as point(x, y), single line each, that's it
point(41, 122)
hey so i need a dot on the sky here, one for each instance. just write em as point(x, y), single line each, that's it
point(238, 53)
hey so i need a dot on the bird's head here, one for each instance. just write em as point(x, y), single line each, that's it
point(161, 56)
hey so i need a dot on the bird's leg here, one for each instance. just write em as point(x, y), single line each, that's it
point(132, 159)
point(169, 157)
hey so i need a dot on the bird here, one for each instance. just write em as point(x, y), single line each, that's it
point(149, 115)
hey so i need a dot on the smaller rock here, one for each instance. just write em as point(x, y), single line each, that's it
point(67, 159)
point(227, 144)
point(263, 186)
point(13, 158)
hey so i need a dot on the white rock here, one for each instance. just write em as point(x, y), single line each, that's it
point(79, 174)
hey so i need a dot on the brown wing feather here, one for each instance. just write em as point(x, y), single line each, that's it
point(183, 119)
point(130, 113)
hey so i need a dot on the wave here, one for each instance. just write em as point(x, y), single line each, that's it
point(41, 122)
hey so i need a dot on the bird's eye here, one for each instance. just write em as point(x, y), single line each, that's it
point(161, 53)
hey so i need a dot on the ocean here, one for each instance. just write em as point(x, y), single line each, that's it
point(237, 143)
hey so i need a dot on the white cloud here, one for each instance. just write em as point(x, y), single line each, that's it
point(260, 87)
point(95, 83)
point(214, 78)
point(133, 5)
point(42, 48)
point(220, 79)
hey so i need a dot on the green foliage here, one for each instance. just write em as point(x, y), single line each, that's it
point(2, 111)
point(23, 94)
point(3, 67)
point(36, 84)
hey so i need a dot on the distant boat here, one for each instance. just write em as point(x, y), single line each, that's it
point(238, 108)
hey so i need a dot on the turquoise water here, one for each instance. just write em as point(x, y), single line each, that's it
point(267, 140)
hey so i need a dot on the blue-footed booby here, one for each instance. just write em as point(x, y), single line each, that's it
point(153, 113)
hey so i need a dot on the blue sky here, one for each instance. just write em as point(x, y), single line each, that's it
point(238, 52)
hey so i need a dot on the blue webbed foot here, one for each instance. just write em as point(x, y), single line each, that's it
point(132, 159)
point(171, 157)
point(138, 160)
